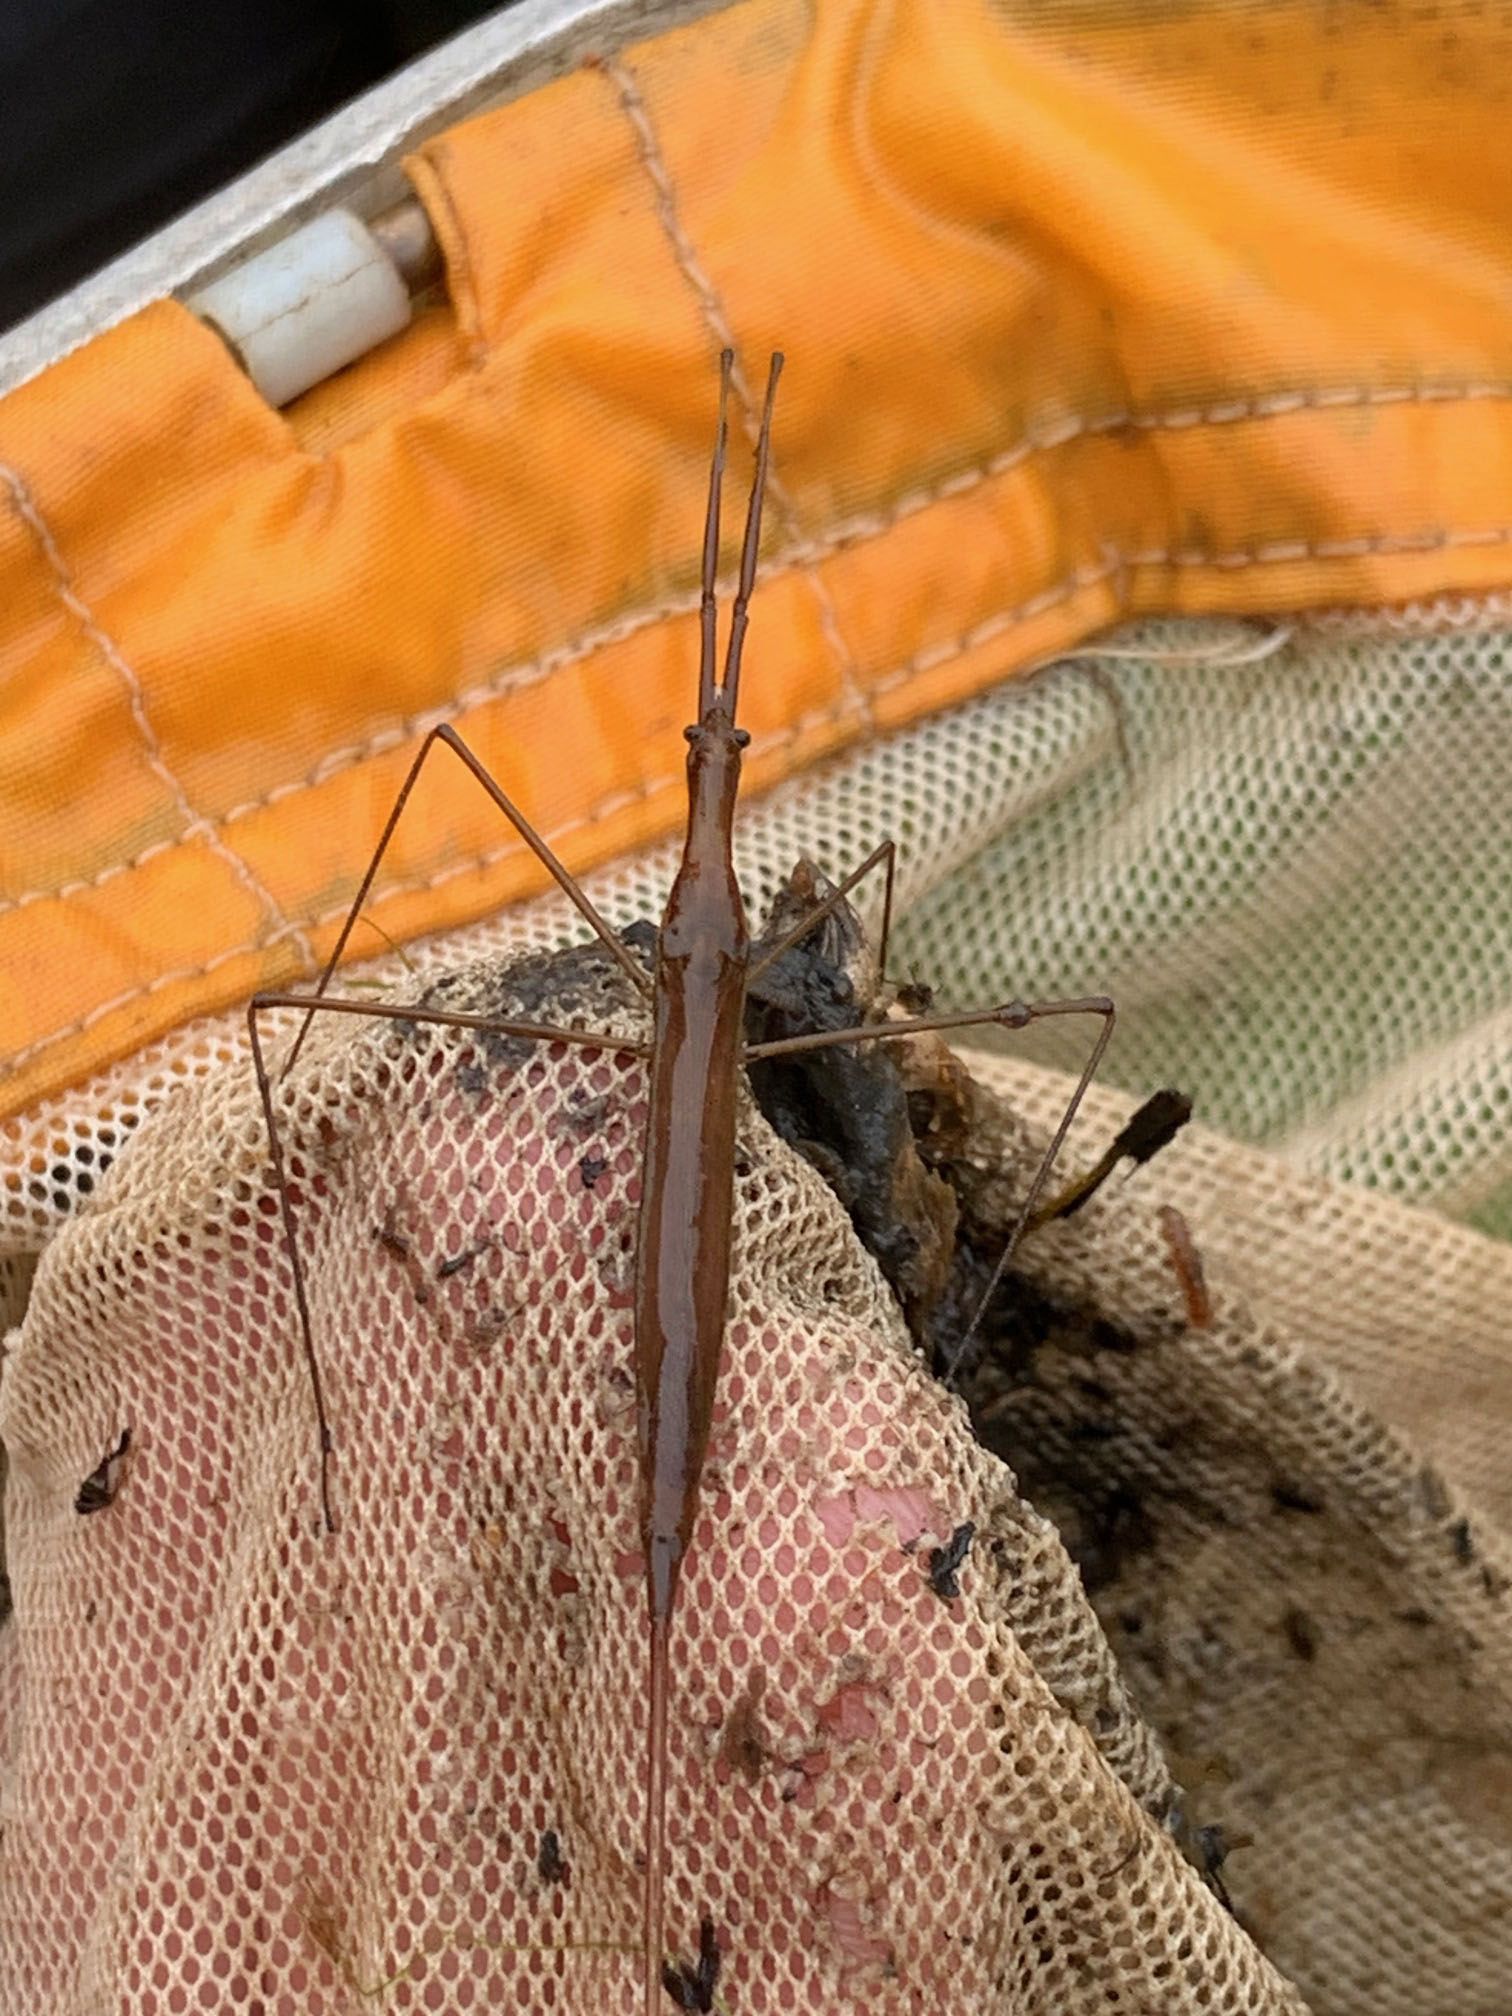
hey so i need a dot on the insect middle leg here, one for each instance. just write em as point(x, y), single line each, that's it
point(447, 737)
point(1011, 1015)
point(885, 854)
point(319, 1001)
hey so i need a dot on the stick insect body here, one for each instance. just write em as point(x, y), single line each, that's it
point(704, 965)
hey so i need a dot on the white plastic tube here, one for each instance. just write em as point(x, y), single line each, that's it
point(315, 301)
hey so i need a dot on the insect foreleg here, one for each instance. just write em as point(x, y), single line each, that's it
point(886, 852)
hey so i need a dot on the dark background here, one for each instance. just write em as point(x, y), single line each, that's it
point(117, 114)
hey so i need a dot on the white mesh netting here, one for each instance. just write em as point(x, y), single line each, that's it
point(249, 1765)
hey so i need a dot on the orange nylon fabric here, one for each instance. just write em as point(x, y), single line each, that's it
point(1090, 311)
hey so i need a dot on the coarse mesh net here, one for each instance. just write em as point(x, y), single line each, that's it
point(1254, 1552)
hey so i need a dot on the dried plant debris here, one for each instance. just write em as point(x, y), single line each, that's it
point(898, 1129)
point(1136, 1422)
point(551, 1865)
point(99, 1488)
point(945, 1562)
point(692, 1987)
point(846, 1109)
point(1148, 1129)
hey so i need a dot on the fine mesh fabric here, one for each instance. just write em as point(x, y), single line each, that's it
point(1259, 1558)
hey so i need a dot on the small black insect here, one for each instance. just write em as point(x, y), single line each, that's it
point(591, 1168)
point(99, 1488)
point(550, 1866)
point(945, 1562)
point(1212, 1852)
point(460, 1260)
point(693, 1987)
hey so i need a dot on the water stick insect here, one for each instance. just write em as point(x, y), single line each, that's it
point(705, 963)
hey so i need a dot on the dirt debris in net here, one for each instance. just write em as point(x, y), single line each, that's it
point(945, 1562)
point(97, 1492)
point(845, 1109)
point(551, 1867)
point(326, 1767)
point(1064, 1389)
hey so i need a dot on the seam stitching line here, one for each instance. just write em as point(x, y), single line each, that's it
point(529, 672)
point(693, 270)
point(196, 825)
point(1114, 567)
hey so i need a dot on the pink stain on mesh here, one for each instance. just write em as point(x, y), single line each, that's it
point(911, 1511)
point(252, 1766)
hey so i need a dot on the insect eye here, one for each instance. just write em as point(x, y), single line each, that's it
point(692, 733)
point(742, 738)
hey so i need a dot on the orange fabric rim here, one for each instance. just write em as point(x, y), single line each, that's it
point(1089, 311)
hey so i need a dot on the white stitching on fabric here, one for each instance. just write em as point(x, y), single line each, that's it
point(195, 826)
point(932, 656)
point(713, 310)
point(654, 163)
point(1114, 565)
point(512, 679)
point(519, 677)
point(489, 858)
point(1046, 439)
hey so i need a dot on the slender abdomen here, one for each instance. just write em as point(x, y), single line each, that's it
point(683, 1282)
point(683, 1274)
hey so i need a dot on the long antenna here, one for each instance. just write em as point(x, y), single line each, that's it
point(708, 610)
point(729, 692)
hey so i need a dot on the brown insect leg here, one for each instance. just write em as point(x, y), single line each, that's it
point(1153, 1126)
point(448, 737)
point(886, 852)
point(450, 1018)
point(381, 1011)
point(1012, 1015)
point(1103, 1007)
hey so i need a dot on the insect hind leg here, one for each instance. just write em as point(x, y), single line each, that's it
point(377, 1011)
point(1104, 1008)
